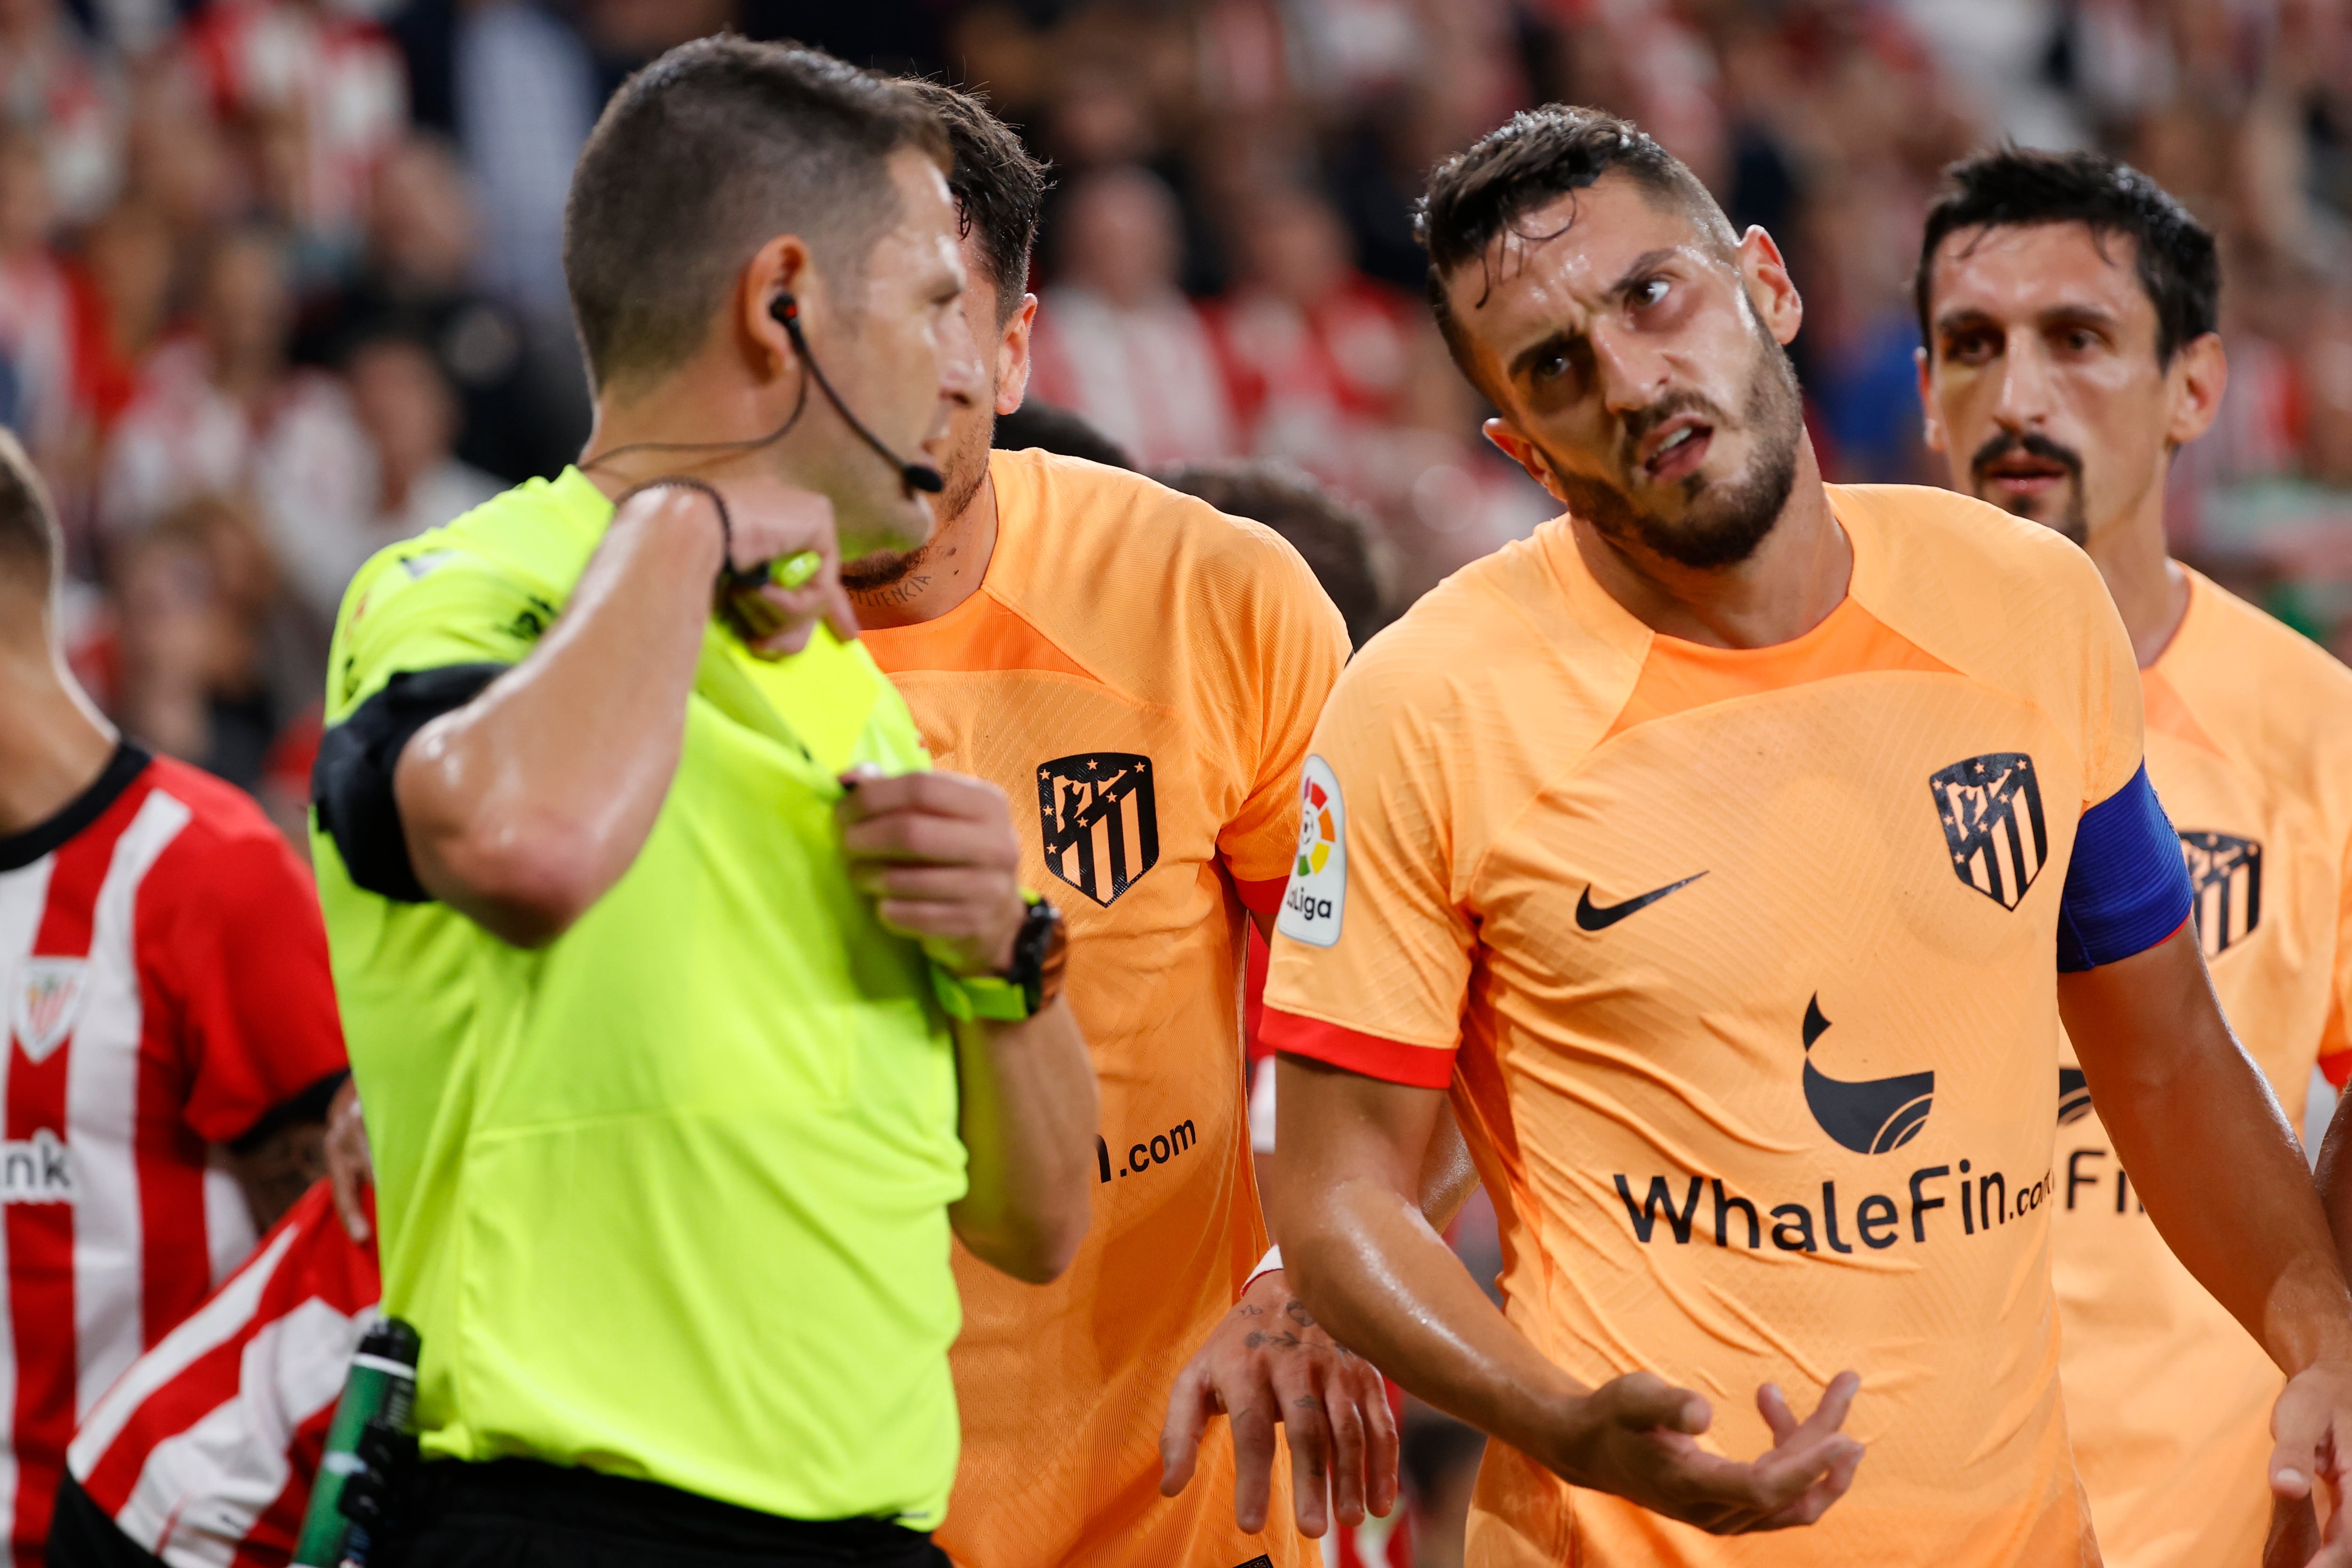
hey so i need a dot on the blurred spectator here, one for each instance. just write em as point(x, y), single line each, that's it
point(1335, 541)
point(37, 312)
point(418, 279)
point(1315, 352)
point(122, 296)
point(1039, 423)
point(320, 89)
point(213, 656)
point(52, 82)
point(525, 95)
point(411, 418)
point(221, 411)
point(1115, 341)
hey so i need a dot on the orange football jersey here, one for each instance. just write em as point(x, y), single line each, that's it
point(1140, 674)
point(2250, 744)
point(1741, 965)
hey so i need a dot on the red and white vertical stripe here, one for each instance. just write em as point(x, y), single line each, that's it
point(73, 1216)
point(206, 1451)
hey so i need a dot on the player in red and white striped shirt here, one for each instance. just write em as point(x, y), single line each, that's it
point(203, 1454)
point(172, 1034)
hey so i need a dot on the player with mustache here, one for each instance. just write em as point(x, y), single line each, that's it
point(2069, 307)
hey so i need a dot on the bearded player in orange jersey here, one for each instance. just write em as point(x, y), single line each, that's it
point(1139, 673)
point(1731, 851)
point(2069, 307)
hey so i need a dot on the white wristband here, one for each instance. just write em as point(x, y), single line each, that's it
point(1265, 1265)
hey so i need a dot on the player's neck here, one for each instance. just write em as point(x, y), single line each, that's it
point(1788, 586)
point(947, 572)
point(2150, 590)
point(53, 744)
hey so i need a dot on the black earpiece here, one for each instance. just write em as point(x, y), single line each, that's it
point(786, 312)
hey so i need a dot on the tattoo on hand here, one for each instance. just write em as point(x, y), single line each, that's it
point(1284, 1341)
point(1296, 1312)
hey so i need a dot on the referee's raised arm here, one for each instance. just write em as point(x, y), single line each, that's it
point(693, 1014)
point(521, 808)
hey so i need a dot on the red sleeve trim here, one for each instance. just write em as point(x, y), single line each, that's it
point(2337, 1067)
point(1371, 1055)
point(1261, 897)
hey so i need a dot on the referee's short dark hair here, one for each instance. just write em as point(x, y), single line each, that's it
point(29, 549)
point(999, 188)
point(701, 158)
point(2019, 187)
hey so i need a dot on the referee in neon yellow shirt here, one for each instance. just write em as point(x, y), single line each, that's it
point(690, 1011)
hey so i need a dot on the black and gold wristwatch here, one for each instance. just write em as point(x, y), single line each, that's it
point(1041, 950)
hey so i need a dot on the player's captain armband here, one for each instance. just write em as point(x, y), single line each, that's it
point(2127, 887)
point(1317, 896)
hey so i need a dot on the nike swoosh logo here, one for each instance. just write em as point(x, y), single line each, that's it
point(1592, 916)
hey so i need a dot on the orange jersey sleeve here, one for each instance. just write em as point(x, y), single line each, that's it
point(1289, 645)
point(1371, 950)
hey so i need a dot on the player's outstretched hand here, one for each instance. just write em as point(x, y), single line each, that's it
point(1268, 1362)
point(937, 853)
point(772, 522)
point(2312, 1428)
point(351, 1163)
point(1636, 1436)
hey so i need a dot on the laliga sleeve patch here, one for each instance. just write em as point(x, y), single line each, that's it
point(1317, 894)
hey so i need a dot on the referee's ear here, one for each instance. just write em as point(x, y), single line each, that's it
point(783, 268)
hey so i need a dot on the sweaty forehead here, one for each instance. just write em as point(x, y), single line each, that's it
point(2018, 272)
point(1556, 263)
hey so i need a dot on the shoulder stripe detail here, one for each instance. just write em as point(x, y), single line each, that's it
point(981, 634)
point(1370, 1055)
point(2168, 712)
point(1679, 675)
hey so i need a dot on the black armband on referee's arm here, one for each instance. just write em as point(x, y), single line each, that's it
point(350, 784)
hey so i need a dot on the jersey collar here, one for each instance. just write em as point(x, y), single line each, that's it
point(20, 850)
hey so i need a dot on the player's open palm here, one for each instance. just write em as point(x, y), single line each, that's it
point(1637, 1436)
point(1269, 1363)
point(2312, 1424)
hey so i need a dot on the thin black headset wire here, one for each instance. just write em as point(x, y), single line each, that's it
point(800, 406)
point(913, 476)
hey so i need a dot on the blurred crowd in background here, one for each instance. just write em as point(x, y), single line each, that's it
point(280, 279)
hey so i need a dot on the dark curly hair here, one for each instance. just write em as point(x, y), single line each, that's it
point(999, 189)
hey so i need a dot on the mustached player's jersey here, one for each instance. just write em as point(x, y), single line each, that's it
point(1742, 967)
point(1140, 673)
point(2250, 743)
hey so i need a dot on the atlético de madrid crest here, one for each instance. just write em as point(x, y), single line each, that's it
point(1096, 817)
point(47, 1001)
point(1990, 809)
